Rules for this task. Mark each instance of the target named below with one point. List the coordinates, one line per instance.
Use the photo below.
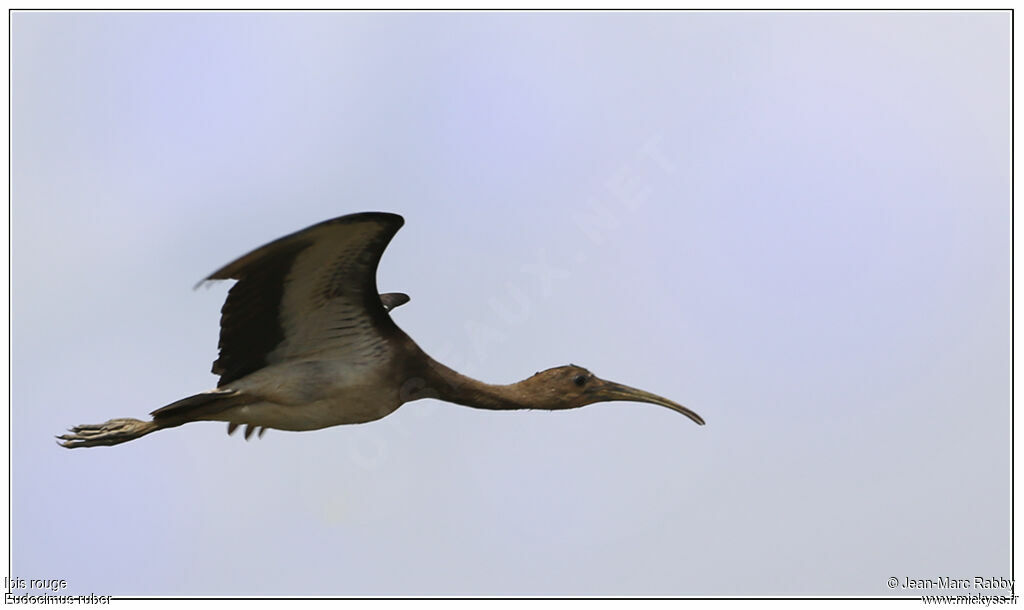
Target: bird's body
(307, 343)
(314, 394)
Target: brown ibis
(306, 342)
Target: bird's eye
(580, 380)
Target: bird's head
(568, 387)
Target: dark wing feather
(311, 292)
(391, 300)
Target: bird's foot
(110, 433)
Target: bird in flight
(306, 342)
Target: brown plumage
(307, 342)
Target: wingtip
(391, 300)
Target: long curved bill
(616, 391)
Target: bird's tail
(116, 431)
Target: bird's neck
(445, 384)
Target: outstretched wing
(311, 293)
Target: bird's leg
(112, 432)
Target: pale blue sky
(797, 224)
